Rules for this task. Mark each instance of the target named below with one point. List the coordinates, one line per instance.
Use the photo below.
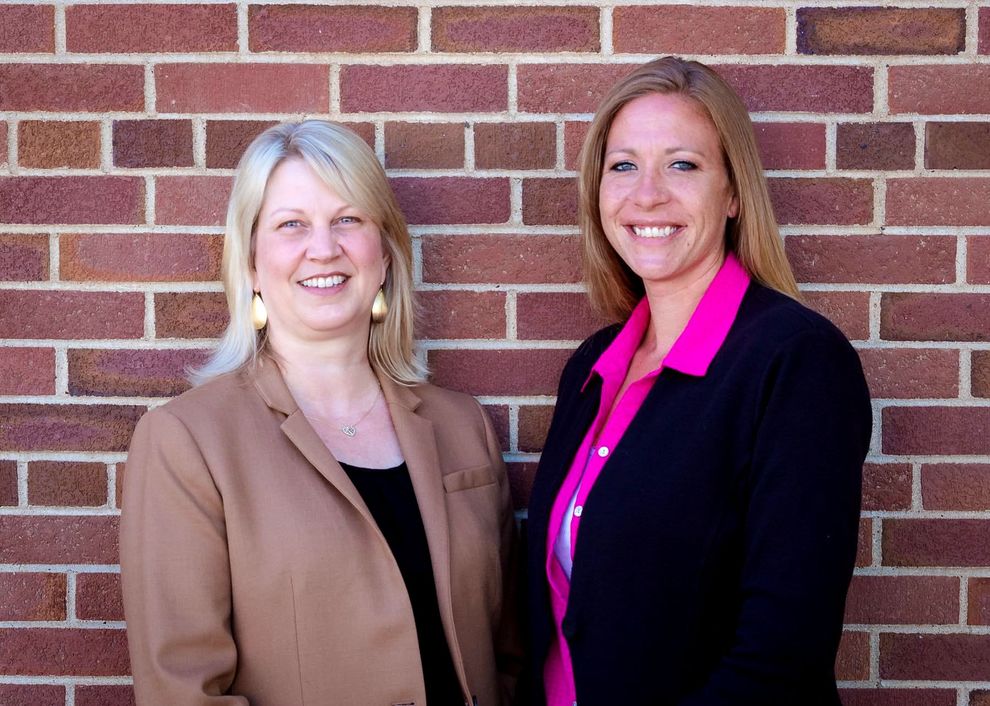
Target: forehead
(663, 117)
(293, 183)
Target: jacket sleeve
(175, 571)
(802, 513)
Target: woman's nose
(650, 190)
(323, 244)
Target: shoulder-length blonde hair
(348, 166)
(614, 289)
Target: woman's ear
(733, 207)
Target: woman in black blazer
(709, 448)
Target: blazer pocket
(467, 478)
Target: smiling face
(665, 194)
(318, 261)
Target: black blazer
(717, 545)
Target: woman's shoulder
(218, 398)
(437, 400)
(775, 319)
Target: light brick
(27, 371)
(63, 652)
(152, 143)
(32, 596)
(939, 89)
(192, 200)
(140, 257)
(550, 201)
(957, 146)
(686, 29)
(242, 88)
(903, 600)
(515, 29)
(71, 199)
(340, 28)
(461, 315)
(98, 597)
(904, 373)
(951, 657)
(881, 30)
(515, 145)
(499, 372)
(190, 314)
(446, 200)
(791, 145)
(936, 430)
(424, 145)
(955, 486)
(63, 427)
(23, 257)
(822, 200)
(88, 88)
(57, 539)
(874, 259)
(909, 316)
(50, 144)
(886, 486)
(151, 28)
(564, 316)
(880, 146)
(439, 88)
(28, 29)
(67, 483)
(509, 259)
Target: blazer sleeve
(800, 532)
(175, 571)
(508, 647)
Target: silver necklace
(350, 430)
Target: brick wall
(119, 128)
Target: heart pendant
(348, 430)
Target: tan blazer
(253, 573)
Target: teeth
(654, 231)
(323, 282)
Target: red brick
(936, 430)
(980, 373)
(140, 257)
(424, 145)
(27, 371)
(71, 199)
(49, 144)
(40, 427)
(908, 316)
(850, 311)
(32, 695)
(939, 90)
(444, 200)
(57, 539)
(979, 601)
(904, 373)
(23, 257)
(343, 28)
(192, 200)
(98, 597)
(28, 29)
(556, 316)
(984, 31)
(886, 486)
(63, 652)
(8, 483)
(565, 88)
(515, 145)
(687, 29)
(878, 146)
(461, 315)
(853, 659)
(438, 88)
(550, 201)
(105, 695)
(88, 88)
(978, 260)
(242, 88)
(499, 414)
(521, 482)
(515, 29)
(150, 29)
(67, 483)
(507, 259)
(574, 134)
(534, 422)
(917, 542)
(880, 259)
(822, 200)
(3, 144)
(955, 486)
(813, 89)
(32, 596)
(226, 140)
(864, 546)
(152, 143)
(935, 657)
(897, 697)
(122, 373)
(190, 314)
(499, 372)
(63, 314)
(938, 201)
(903, 600)
(881, 30)
(791, 145)
(957, 146)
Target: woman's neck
(671, 309)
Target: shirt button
(603, 451)
(578, 510)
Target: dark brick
(23, 257)
(957, 146)
(50, 144)
(44, 427)
(152, 143)
(883, 146)
(65, 314)
(67, 483)
(881, 30)
(190, 314)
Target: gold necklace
(350, 430)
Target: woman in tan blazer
(312, 524)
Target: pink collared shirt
(691, 354)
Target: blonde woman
(693, 522)
(313, 523)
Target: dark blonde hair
(752, 235)
(347, 165)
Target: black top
(718, 542)
(389, 495)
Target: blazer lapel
(419, 447)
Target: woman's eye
(289, 224)
(348, 220)
(624, 166)
(684, 165)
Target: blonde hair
(614, 289)
(347, 165)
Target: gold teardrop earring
(379, 308)
(259, 313)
